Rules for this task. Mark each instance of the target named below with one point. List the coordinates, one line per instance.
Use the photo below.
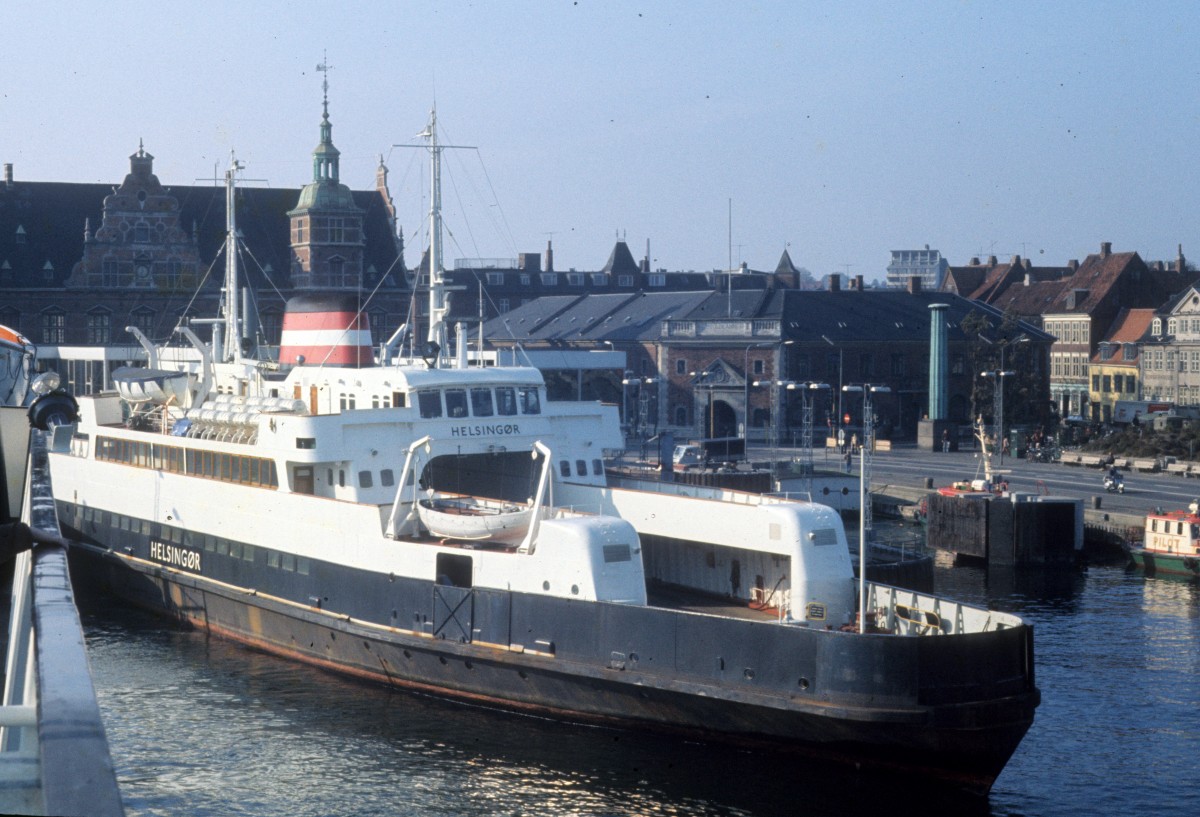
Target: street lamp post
(704, 383)
(864, 492)
(998, 394)
(806, 427)
(746, 390)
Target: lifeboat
(157, 386)
(473, 519)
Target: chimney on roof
(1180, 261)
(1073, 264)
(835, 282)
(975, 262)
(914, 284)
(1016, 261)
(858, 282)
(991, 260)
(1028, 279)
(529, 261)
(646, 260)
(8, 182)
(549, 257)
(1105, 249)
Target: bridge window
(430, 403)
(481, 402)
(529, 400)
(506, 401)
(456, 402)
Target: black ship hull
(944, 709)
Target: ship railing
(703, 492)
(54, 756)
(908, 612)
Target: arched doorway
(723, 420)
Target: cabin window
(824, 536)
(456, 402)
(430, 403)
(481, 402)
(386, 478)
(453, 570)
(248, 553)
(364, 479)
(597, 467)
(306, 442)
(580, 468)
(564, 468)
(398, 399)
(617, 553)
(341, 478)
(529, 400)
(506, 401)
(288, 562)
(272, 558)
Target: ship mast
(232, 349)
(437, 282)
(437, 292)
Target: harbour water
(200, 726)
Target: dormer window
(1156, 327)
(20, 238)
(1172, 326)
(1106, 351)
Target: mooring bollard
(928, 482)
(1096, 502)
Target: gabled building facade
(1087, 306)
(1114, 372)
(1170, 356)
(80, 262)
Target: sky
(719, 132)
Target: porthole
(574, 590)
(804, 683)
(545, 585)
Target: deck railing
(54, 756)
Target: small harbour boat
(1171, 545)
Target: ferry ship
(445, 528)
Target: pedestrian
(854, 442)
(945, 441)
(846, 460)
(1004, 448)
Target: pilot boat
(444, 528)
(1172, 543)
